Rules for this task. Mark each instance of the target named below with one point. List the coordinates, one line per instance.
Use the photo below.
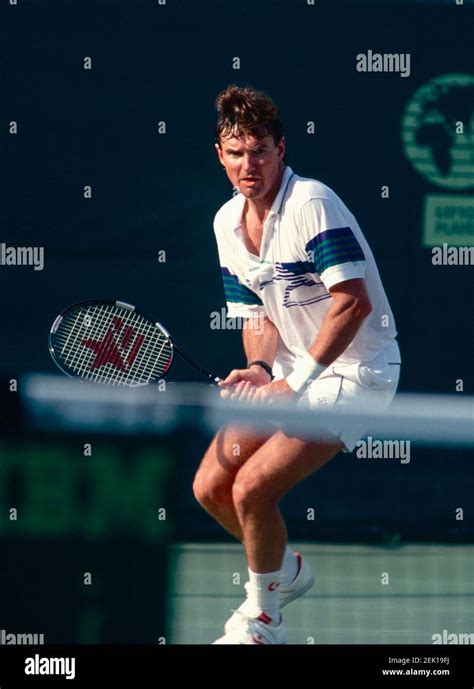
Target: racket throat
(205, 372)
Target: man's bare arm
(260, 340)
(341, 323)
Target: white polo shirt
(310, 242)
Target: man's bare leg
(229, 450)
(272, 470)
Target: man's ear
(282, 147)
(219, 153)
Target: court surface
(428, 589)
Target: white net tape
(55, 402)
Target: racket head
(110, 342)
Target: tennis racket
(111, 342)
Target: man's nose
(248, 162)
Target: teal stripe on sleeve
(237, 293)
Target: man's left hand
(278, 391)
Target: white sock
(264, 594)
(289, 568)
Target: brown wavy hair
(244, 110)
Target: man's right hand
(240, 382)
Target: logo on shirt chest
(302, 286)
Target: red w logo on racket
(113, 348)
(137, 349)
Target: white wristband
(305, 371)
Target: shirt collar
(277, 201)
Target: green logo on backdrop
(438, 140)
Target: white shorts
(375, 382)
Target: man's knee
(212, 491)
(249, 493)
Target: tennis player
(294, 256)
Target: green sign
(51, 489)
(438, 131)
(448, 219)
(438, 140)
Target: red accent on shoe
(256, 641)
(263, 617)
(300, 563)
(273, 586)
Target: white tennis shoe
(303, 581)
(256, 631)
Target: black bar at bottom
(151, 666)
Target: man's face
(252, 165)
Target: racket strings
(71, 350)
(84, 354)
(106, 331)
(75, 355)
(141, 372)
(148, 360)
(112, 345)
(154, 361)
(120, 375)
